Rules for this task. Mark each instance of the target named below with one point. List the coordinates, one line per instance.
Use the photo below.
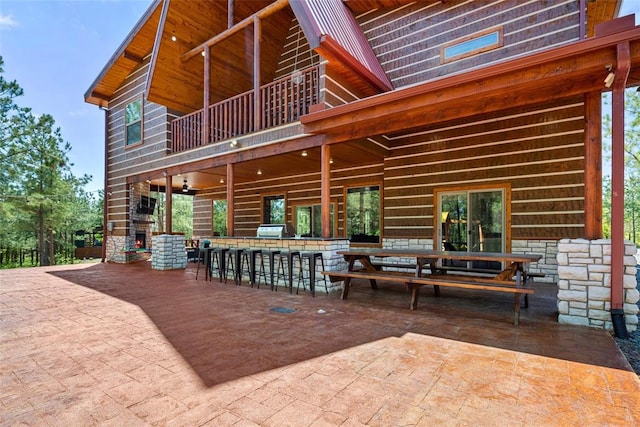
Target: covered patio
(109, 344)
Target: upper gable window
(471, 45)
(133, 122)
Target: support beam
(325, 190)
(617, 189)
(168, 222)
(230, 197)
(272, 8)
(207, 86)
(105, 197)
(593, 166)
(257, 35)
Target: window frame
(380, 213)
(334, 207)
(127, 144)
(270, 196)
(213, 214)
(476, 51)
(505, 187)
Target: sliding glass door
(473, 221)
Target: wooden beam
(593, 166)
(132, 57)
(230, 13)
(207, 85)
(168, 225)
(272, 8)
(623, 65)
(325, 190)
(230, 198)
(257, 35)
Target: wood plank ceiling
(179, 84)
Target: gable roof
(179, 84)
(332, 31)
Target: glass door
(473, 221)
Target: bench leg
(345, 288)
(436, 290)
(526, 300)
(516, 309)
(415, 291)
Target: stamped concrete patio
(122, 345)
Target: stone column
(584, 283)
(169, 252)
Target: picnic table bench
(413, 278)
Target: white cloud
(7, 21)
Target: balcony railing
(281, 102)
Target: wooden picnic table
(439, 275)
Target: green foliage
(42, 202)
(631, 168)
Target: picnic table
(513, 279)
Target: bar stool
(312, 258)
(217, 263)
(255, 255)
(271, 262)
(202, 258)
(288, 258)
(237, 259)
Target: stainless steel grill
(274, 231)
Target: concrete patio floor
(123, 345)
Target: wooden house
(463, 125)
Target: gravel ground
(631, 347)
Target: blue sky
(55, 49)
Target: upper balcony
(279, 103)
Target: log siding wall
(301, 189)
(125, 161)
(407, 40)
(538, 152)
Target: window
(219, 218)
(471, 45)
(133, 122)
(308, 220)
(363, 214)
(273, 211)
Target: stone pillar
(169, 252)
(584, 283)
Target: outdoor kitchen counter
(329, 247)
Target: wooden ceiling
(179, 84)
(344, 156)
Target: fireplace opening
(141, 239)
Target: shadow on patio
(225, 332)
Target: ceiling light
(202, 53)
(330, 160)
(174, 38)
(185, 187)
(233, 143)
(221, 180)
(304, 153)
(259, 172)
